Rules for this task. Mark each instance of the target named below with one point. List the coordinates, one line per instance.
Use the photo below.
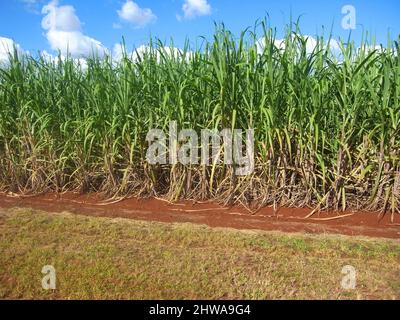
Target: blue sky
(106, 21)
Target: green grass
(326, 129)
(103, 258)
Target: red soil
(213, 215)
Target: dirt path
(286, 220)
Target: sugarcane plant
(326, 122)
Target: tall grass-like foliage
(327, 124)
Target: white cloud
(335, 48)
(64, 32)
(119, 51)
(32, 5)
(279, 44)
(6, 48)
(311, 43)
(369, 48)
(30, 2)
(116, 26)
(132, 13)
(195, 8)
(50, 58)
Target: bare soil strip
(213, 215)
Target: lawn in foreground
(104, 258)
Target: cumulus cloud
(116, 25)
(310, 45)
(260, 44)
(32, 6)
(335, 47)
(50, 58)
(119, 52)
(132, 13)
(195, 8)
(7, 47)
(64, 32)
(333, 44)
(370, 48)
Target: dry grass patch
(103, 258)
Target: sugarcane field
(199, 152)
